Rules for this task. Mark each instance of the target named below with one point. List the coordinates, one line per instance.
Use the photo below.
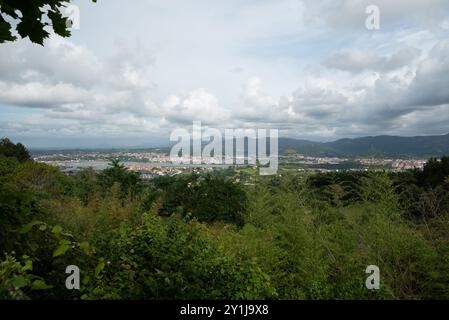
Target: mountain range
(377, 146)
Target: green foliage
(83, 186)
(33, 19)
(424, 194)
(209, 236)
(337, 188)
(174, 259)
(129, 181)
(16, 280)
(16, 205)
(17, 151)
(208, 198)
(434, 173)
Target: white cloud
(350, 14)
(319, 72)
(355, 60)
(388, 101)
(40, 95)
(197, 105)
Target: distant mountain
(379, 146)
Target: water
(101, 165)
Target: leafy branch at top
(31, 19)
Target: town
(157, 162)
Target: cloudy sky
(132, 73)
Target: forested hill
(378, 146)
(386, 146)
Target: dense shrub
(208, 198)
(198, 236)
(174, 259)
(17, 151)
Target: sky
(133, 73)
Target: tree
(435, 172)
(31, 18)
(208, 198)
(9, 149)
(129, 181)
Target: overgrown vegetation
(199, 236)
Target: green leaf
(99, 268)
(85, 246)
(27, 228)
(28, 266)
(32, 29)
(19, 282)
(5, 31)
(59, 23)
(61, 250)
(64, 241)
(40, 285)
(57, 229)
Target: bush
(172, 259)
(17, 151)
(207, 198)
(208, 236)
